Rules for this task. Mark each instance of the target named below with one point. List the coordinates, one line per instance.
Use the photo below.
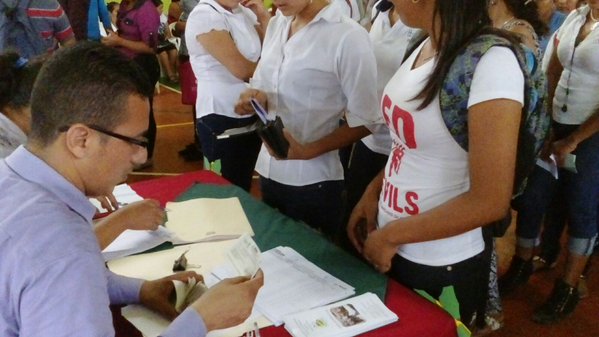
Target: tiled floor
(175, 130)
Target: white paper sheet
(292, 284)
(207, 219)
(124, 195)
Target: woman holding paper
(224, 42)
(316, 67)
(573, 78)
(420, 218)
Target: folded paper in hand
(187, 292)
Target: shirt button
(449, 268)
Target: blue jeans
(532, 204)
(577, 194)
(318, 205)
(237, 154)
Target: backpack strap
(455, 91)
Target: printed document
(291, 284)
(342, 319)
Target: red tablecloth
(417, 316)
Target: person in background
(166, 50)
(224, 42)
(192, 152)
(573, 74)
(552, 18)
(49, 28)
(174, 11)
(53, 274)
(113, 9)
(522, 19)
(317, 65)
(86, 16)
(137, 38)
(567, 6)
(17, 76)
(390, 40)
(420, 219)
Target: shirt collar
(333, 12)
(220, 8)
(35, 170)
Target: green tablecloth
(273, 229)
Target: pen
(256, 330)
(216, 276)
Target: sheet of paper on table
(195, 220)
(207, 219)
(291, 284)
(159, 264)
(124, 195)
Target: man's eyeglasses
(138, 142)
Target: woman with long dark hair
(573, 77)
(420, 219)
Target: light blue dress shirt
(53, 281)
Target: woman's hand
(257, 6)
(362, 221)
(562, 148)
(112, 40)
(379, 251)
(243, 105)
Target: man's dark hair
(88, 83)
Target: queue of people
(434, 100)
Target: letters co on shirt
(401, 124)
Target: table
(417, 316)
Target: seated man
(52, 274)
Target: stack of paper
(292, 284)
(192, 221)
(343, 319)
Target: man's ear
(78, 140)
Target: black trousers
(149, 63)
(469, 279)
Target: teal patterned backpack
(535, 121)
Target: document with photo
(350, 317)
